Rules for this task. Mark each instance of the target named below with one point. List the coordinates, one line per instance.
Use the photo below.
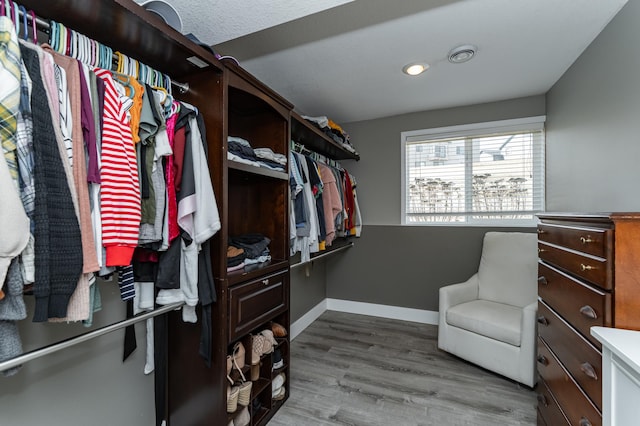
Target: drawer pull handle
(543, 280)
(541, 231)
(541, 250)
(543, 400)
(542, 320)
(586, 240)
(542, 360)
(588, 369)
(588, 312)
(585, 422)
(265, 281)
(584, 267)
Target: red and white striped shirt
(120, 189)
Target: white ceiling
(344, 58)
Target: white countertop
(623, 343)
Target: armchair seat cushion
(490, 319)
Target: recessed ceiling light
(415, 68)
(462, 53)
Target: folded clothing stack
(332, 130)
(240, 150)
(247, 249)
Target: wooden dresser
(588, 275)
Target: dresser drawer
(549, 413)
(593, 241)
(575, 404)
(255, 302)
(579, 304)
(596, 270)
(577, 355)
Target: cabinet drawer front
(578, 357)
(596, 242)
(548, 407)
(574, 403)
(596, 270)
(255, 302)
(580, 304)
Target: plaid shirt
(9, 92)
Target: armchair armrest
(456, 294)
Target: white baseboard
(362, 308)
(383, 311)
(308, 318)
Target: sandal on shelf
(242, 419)
(244, 389)
(255, 372)
(238, 355)
(232, 398)
(257, 345)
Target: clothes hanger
(164, 92)
(34, 26)
(24, 22)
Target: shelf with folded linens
(309, 135)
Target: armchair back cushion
(508, 268)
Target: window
(479, 174)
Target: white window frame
(467, 130)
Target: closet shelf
(312, 138)
(262, 171)
(337, 247)
(254, 271)
(134, 31)
(258, 386)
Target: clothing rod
(328, 253)
(44, 25)
(72, 341)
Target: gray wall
(593, 124)
(308, 286)
(87, 384)
(406, 266)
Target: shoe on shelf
(238, 355)
(278, 381)
(256, 405)
(257, 347)
(270, 341)
(255, 372)
(232, 398)
(277, 360)
(244, 393)
(243, 418)
(278, 330)
(279, 394)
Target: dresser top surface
(625, 344)
(589, 217)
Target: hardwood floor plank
(358, 370)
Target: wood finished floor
(351, 369)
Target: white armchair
(490, 320)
